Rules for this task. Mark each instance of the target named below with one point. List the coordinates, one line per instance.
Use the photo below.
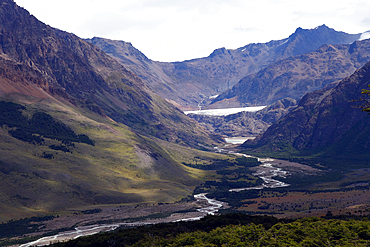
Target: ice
(365, 35)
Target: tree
(366, 102)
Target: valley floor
(316, 199)
(87, 222)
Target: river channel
(208, 207)
(265, 171)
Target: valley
(96, 137)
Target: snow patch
(365, 35)
(214, 96)
(286, 41)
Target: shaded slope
(325, 124)
(295, 76)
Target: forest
(41, 125)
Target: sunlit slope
(120, 168)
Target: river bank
(197, 210)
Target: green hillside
(55, 157)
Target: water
(225, 112)
(212, 208)
(238, 140)
(266, 172)
(214, 204)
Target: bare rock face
(325, 121)
(190, 83)
(295, 76)
(247, 124)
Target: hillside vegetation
(54, 157)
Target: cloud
(170, 30)
(366, 23)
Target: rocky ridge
(295, 76)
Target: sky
(177, 30)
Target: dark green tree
(366, 101)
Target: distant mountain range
(295, 76)
(190, 83)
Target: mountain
(191, 83)
(326, 124)
(295, 76)
(79, 129)
(149, 71)
(85, 76)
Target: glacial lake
(226, 111)
(238, 140)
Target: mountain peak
(307, 40)
(298, 30)
(322, 28)
(219, 51)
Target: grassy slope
(122, 167)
